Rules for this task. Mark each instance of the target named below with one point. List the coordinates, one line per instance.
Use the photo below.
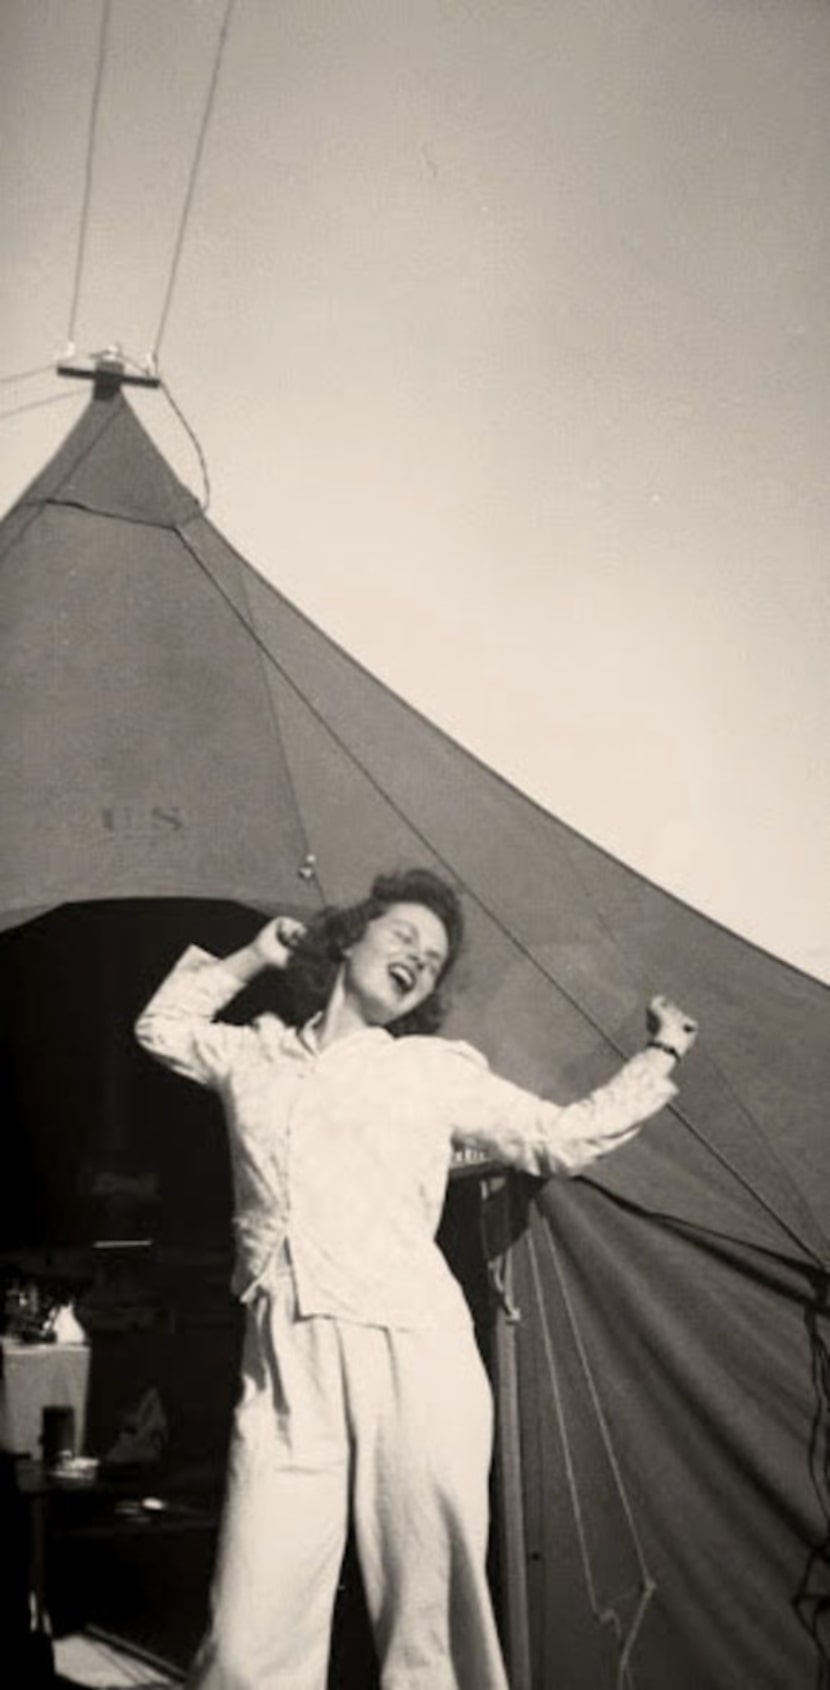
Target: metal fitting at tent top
(108, 370)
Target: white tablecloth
(38, 1376)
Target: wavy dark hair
(312, 969)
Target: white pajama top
(340, 1156)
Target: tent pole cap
(109, 372)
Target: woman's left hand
(670, 1025)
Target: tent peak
(108, 370)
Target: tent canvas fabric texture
(173, 727)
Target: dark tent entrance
(117, 1193)
(175, 730)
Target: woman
(362, 1389)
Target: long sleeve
(178, 1027)
(498, 1118)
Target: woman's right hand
(277, 939)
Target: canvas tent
(173, 728)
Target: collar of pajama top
(340, 1156)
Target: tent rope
(103, 42)
(68, 504)
(716, 1068)
(397, 809)
(315, 712)
(35, 405)
(26, 375)
(517, 943)
(791, 1231)
(310, 859)
(194, 171)
(196, 443)
(34, 507)
(92, 137)
(812, 1600)
(605, 1614)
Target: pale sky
(503, 325)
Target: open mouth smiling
(402, 976)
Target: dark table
(111, 1505)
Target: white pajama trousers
(394, 1425)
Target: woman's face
(396, 963)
